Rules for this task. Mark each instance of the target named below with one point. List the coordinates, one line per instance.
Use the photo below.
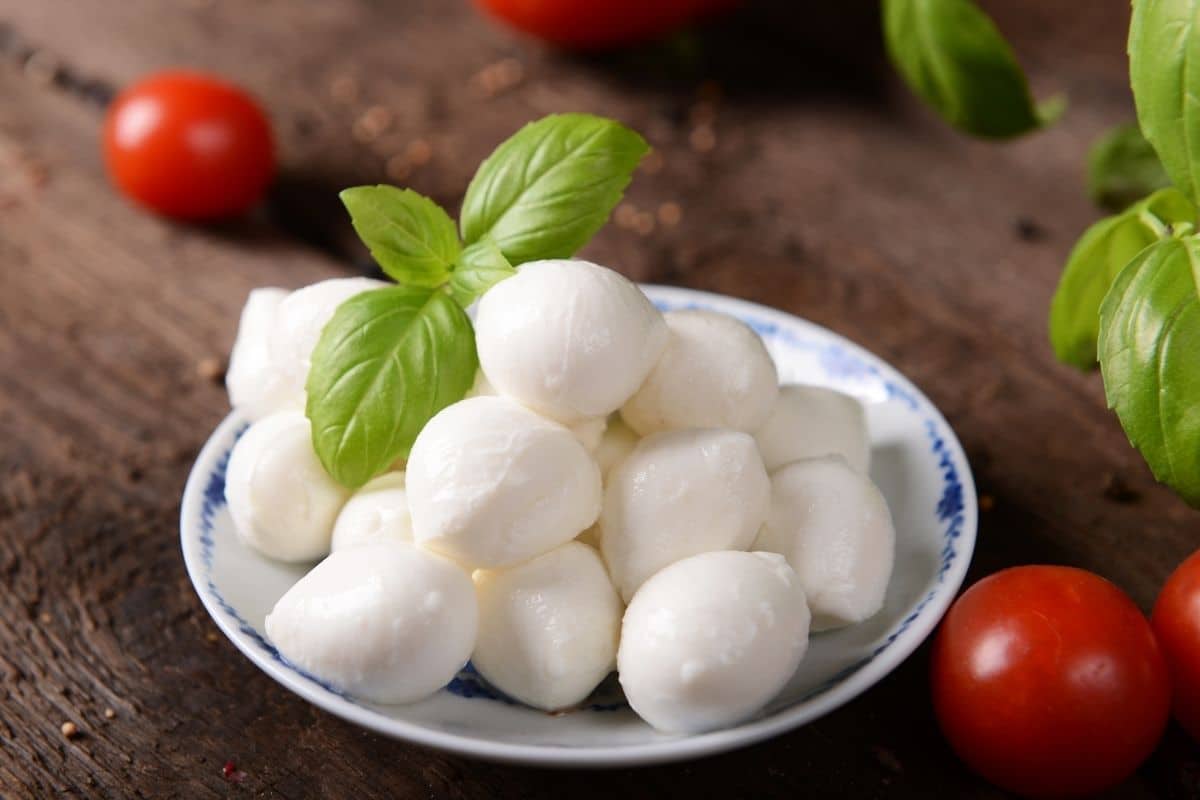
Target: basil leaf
(480, 267)
(1096, 260)
(387, 362)
(549, 188)
(409, 235)
(1149, 341)
(950, 53)
(1123, 168)
(1164, 70)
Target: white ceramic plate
(916, 461)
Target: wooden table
(804, 176)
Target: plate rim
(912, 631)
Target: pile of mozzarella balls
(620, 488)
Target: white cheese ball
(812, 421)
(677, 494)
(282, 500)
(377, 511)
(834, 527)
(617, 442)
(299, 320)
(256, 388)
(714, 373)
(385, 622)
(711, 639)
(570, 339)
(491, 483)
(548, 628)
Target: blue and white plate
(916, 461)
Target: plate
(916, 461)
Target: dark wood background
(805, 177)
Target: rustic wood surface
(806, 178)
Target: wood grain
(826, 191)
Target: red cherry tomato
(595, 24)
(1048, 682)
(1177, 624)
(189, 146)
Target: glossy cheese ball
(714, 373)
(709, 640)
(384, 622)
(834, 527)
(548, 627)
(282, 500)
(677, 494)
(255, 387)
(491, 483)
(567, 338)
(812, 421)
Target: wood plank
(852, 207)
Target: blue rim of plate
(844, 363)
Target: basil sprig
(391, 358)
(549, 188)
(1099, 256)
(1149, 342)
(1164, 71)
(951, 55)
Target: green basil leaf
(1123, 168)
(1164, 70)
(549, 188)
(1149, 342)
(388, 361)
(409, 235)
(480, 267)
(950, 53)
(1099, 256)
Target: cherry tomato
(595, 24)
(1048, 682)
(189, 146)
(1176, 622)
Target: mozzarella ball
(570, 339)
(834, 527)
(714, 373)
(385, 622)
(377, 511)
(491, 483)
(617, 442)
(677, 494)
(282, 500)
(548, 628)
(709, 640)
(256, 388)
(300, 319)
(812, 421)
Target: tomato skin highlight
(1176, 621)
(599, 24)
(189, 146)
(1048, 682)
